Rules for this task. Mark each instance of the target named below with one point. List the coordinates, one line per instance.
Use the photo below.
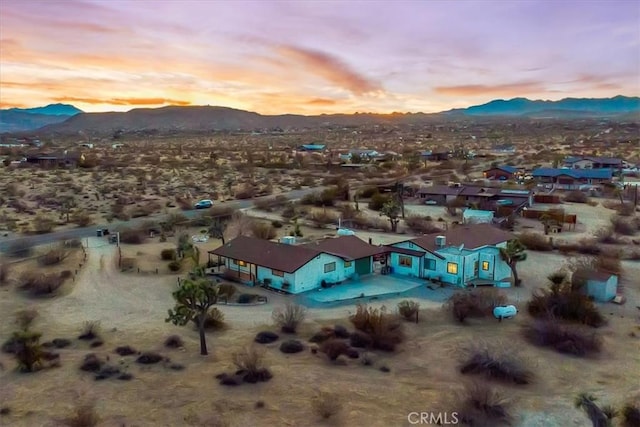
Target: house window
(329, 267)
(405, 261)
(485, 265)
(241, 263)
(347, 264)
(277, 273)
(429, 264)
(452, 268)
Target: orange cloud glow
(509, 89)
(122, 101)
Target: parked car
(203, 204)
(504, 312)
(430, 202)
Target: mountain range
(66, 119)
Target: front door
(363, 266)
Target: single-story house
(352, 248)
(572, 179)
(463, 255)
(592, 162)
(476, 216)
(601, 286)
(312, 147)
(435, 156)
(53, 160)
(502, 173)
(441, 194)
(504, 148)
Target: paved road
(79, 233)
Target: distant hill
(26, 119)
(564, 108)
(205, 118)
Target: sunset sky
(313, 57)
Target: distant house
(463, 255)
(600, 286)
(485, 198)
(312, 147)
(55, 160)
(440, 194)
(502, 173)
(475, 216)
(572, 179)
(592, 162)
(504, 148)
(435, 156)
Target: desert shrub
(326, 405)
(4, 273)
(384, 328)
(360, 340)
(42, 224)
(320, 217)
(84, 416)
(623, 226)
(409, 309)
(269, 203)
(173, 341)
(90, 331)
(334, 348)
(53, 256)
(60, 342)
(21, 248)
(378, 200)
(24, 318)
(576, 197)
(38, 284)
(266, 337)
(96, 343)
(323, 334)
(568, 339)
(291, 346)
(368, 192)
(630, 415)
(133, 237)
(289, 317)
(125, 350)
(419, 224)
(250, 362)
(505, 365)
(81, 219)
(289, 211)
(214, 319)
(263, 230)
(246, 298)
(174, 266)
(475, 303)
(565, 303)
(168, 254)
(149, 358)
(535, 242)
(341, 332)
(482, 405)
(27, 350)
(276, 224)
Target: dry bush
(42, 224)
(289, 317)
(214, 320)
(90, 330)
(421, 225)
(81, 219)
(630, 415)
(607, 262)
(263, 230)
(384, 329)
(535, 242)
(583, 246)
(250, 361)
(568, 339)
(605, 235)
(326, 405)
(25, 318)
(84, 416)
(409, 309)
(496, 364)
(475, 303)
(576, 197)
(132, 236)
(320, 217)
(270, 203)
(480, 405)
(53, 257)
(39, 283)
(565, 303)
(168, 254)
(186, 204)
(246, 191)
(333, 348)
(5, 270)
(620, 225)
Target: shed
(601, 286)
(475, 216)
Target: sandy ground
(131, 309)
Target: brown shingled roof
(351, 247)
(277, 256)
(472, 235)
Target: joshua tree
(512, 254)
(193, 299)
(599, 417)
(391, 209)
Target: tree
(28, 350)
(66, 207)
(512, 254)
(193, 299)
(391, 209)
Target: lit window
(405, 261)
(429, 264)
(329, 267)
(347, 264)
(242, 263)
(452, 268)
(485, 265)
(277, 273)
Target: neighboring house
(475, 216)
(602, 287)
(502, 173)
(463, 255)
(572, 179)
(312, 147)
(441, 194)
(592, 162)
(484, 198)
(437, 156)
(504, 148)
(68, 160)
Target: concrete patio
(367, 287)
